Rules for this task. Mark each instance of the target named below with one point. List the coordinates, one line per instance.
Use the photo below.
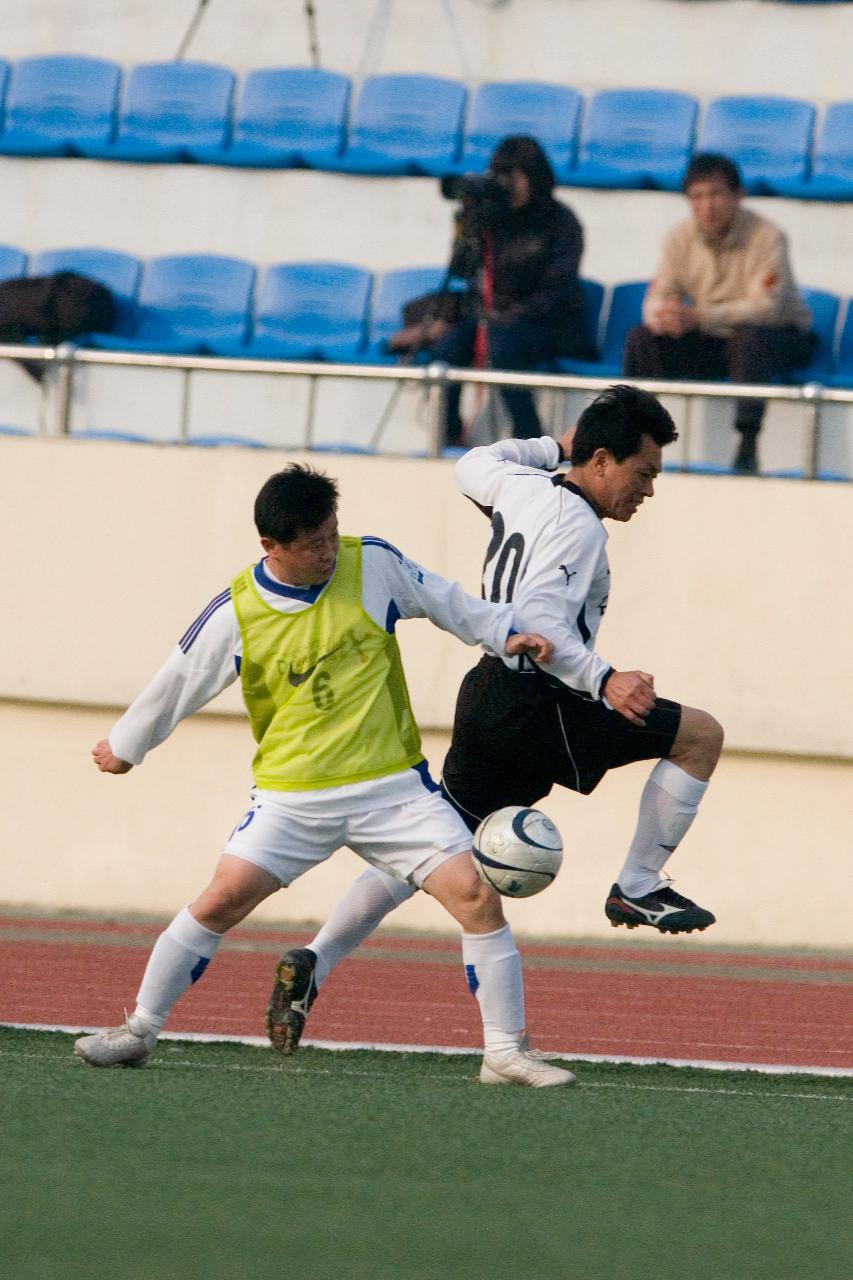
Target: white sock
(493, 969)
(364, 905)
(179, 958)
(668, 805)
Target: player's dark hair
(711, 164)
(294, 500)
(617, 420)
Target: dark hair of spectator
(293, 501)
(711, 164)
(519, 151)
(617, 420)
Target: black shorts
(518, 734)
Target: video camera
(482, 188)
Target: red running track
(668, 1001)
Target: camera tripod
(195, 23)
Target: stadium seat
(842, 373)
(120, 272)
(593, 301)
(394, 290)
(831, 177)
(769, 138)
(288, 117)
(104, 433)
(187, 305)
(824, 308)
(13, 262)
(56, 103)
(171, 111)
(405, 125)
(635, 138)
(308, 311)
(547, 112)
(218, 442)
(624, 311)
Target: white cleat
(130, 1045)
(520, 1066)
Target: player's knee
(712, 735)
(220, 907)
(474, 904)
(699, 742)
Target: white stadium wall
(732, 591)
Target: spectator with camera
(518, 250)
(723, 303)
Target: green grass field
(221, 1161)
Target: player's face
(714, 206)
(308, 559)
(627, 484)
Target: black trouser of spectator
(754, 353)
(512, 346)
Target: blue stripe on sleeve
(190, 636)
(370, 541)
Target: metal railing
(62, 361)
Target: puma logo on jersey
(569, 575)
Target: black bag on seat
(53, 308)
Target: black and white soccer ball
(517, 851)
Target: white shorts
(401, 824)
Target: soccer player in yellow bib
(309, 631)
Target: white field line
(199, 1037)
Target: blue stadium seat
(308, 311)
(405, 125)
(770, 138)
(171, 111)
(824, 308)
(120, 272)
(13, 262)
(395, 289)
(635, 138)
(831, 177)
(188, 305)
(106, 433)
(287, 117)
(56, 103)
(593, 301)
(624, 311)
(842, 372)
(547, 112)
(218, 442)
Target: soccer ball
(517, 851)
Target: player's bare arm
(106, 761)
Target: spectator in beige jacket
(724, 303)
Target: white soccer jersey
(547, 554)
(207, 657)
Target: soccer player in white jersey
(310, 632)
(520, 727)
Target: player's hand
(565, 441)
(528, 642)
(106, 761)
(632, 694)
